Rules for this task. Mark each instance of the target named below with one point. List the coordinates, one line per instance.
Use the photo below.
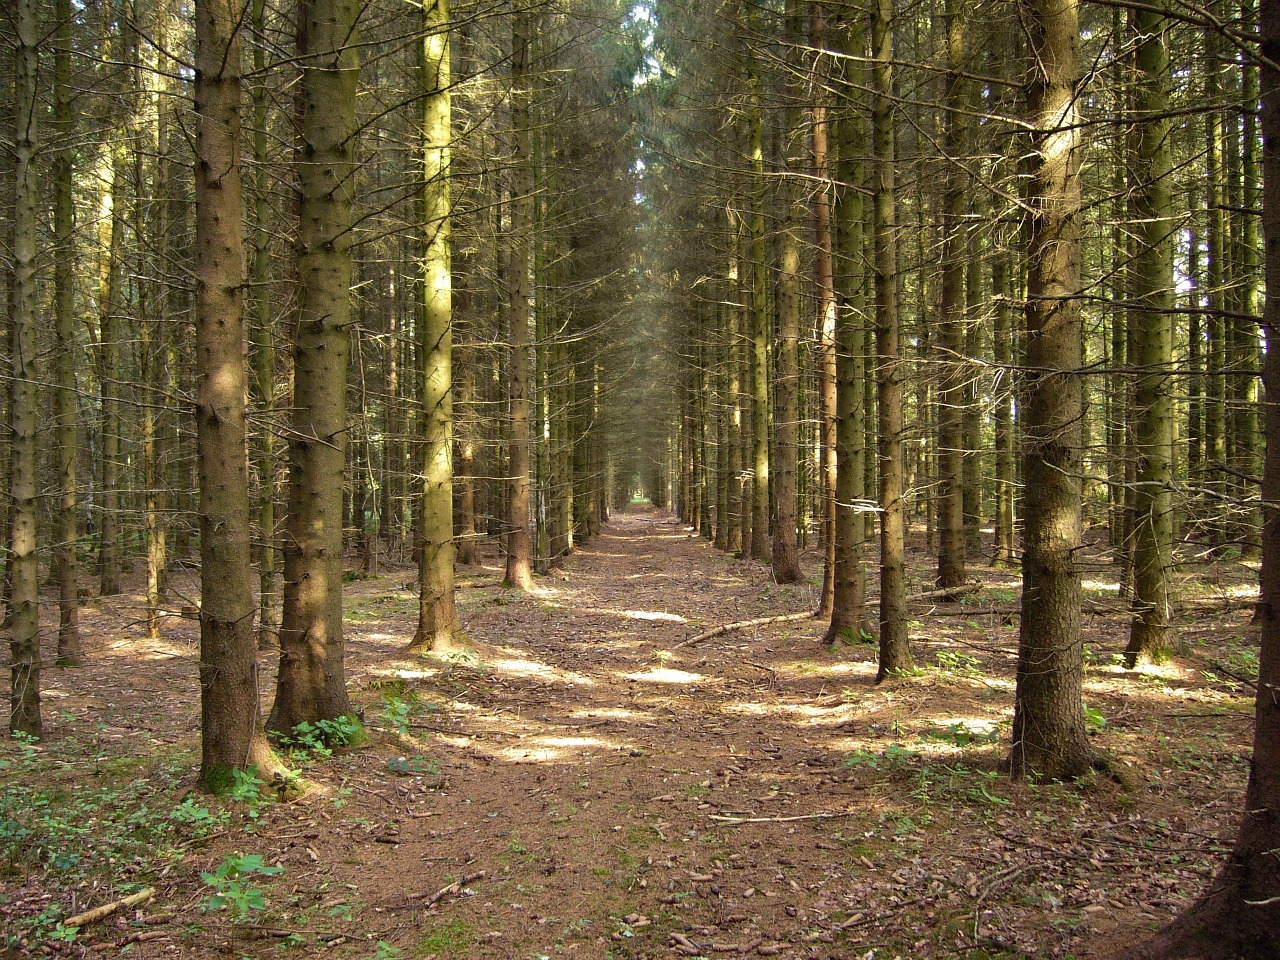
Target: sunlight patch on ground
(845, 668)
(666, 675)
(406, 673)
(531, 668)
(800, 714)
(645, 615)
(606, 713)
(1101, 586)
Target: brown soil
(593, 786)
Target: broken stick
(107, 909)
(743, 625)
(448, 891)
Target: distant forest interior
(635, 479)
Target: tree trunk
(438, 626)
(849, 590)
(951, 332)
(895, 652)
(1152, 288)
(230, 732)
(311, 684)
(1239, 917)
(24, 410)
(1048, 724)
(519, 567)
(66, 536)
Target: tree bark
(230, 731)
(1151, 327)
(1048, 724)
(311, 684)
(438, 626)
(519, 566)
(895, 651)
(24, 410)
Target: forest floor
(593, 785)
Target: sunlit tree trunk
(758, 313)
(438, 626)
(311, 684)
(1048, 724)
(519, 567)
(230, 733)
(1151, 327)
(895, 652)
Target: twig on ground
(448, 891)
(743, 625)
(107, 909)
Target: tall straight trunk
(465, 476)
(1239, 916)
(519, 567)
(1003, 355)
(1249, 460)
(109, 230)
(849, 589)
(784, 560)
(65, 415)
(231, 735)
(895, 651)
(951, 329)
(24, 409)
(758, 356)
(264, 366)
(1048, 723)
(438, 626)
(827, 317)
(311, 684)
(1215, 444)
(1151, 325)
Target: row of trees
(795, 267)
(405, 221)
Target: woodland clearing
(594, 785)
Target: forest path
(589, 785)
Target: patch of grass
(449, 938)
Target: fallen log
(743, 625)
(107, 909)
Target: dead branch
(107, 909)
(448, 891)
(743, 625)
(946, 593)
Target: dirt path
(591, 786)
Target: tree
(1239, 916)
(1151, 330)
(231, 735)
(438, 626)
(66, 562)
(1048, 722)
(311, 684)
(24, 409)
(519, 568)
(895, 651)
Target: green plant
(199, 819)
(230, 892)
(411, 766)
(1093, 717)
(961, 734)
(399, 710)
(320, 738)
(894, 756)
(385, 951)
(960, 664)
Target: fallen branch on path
(734, 821)
(743, 625)
(107, 909)
(448, 891)
(946, 593)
